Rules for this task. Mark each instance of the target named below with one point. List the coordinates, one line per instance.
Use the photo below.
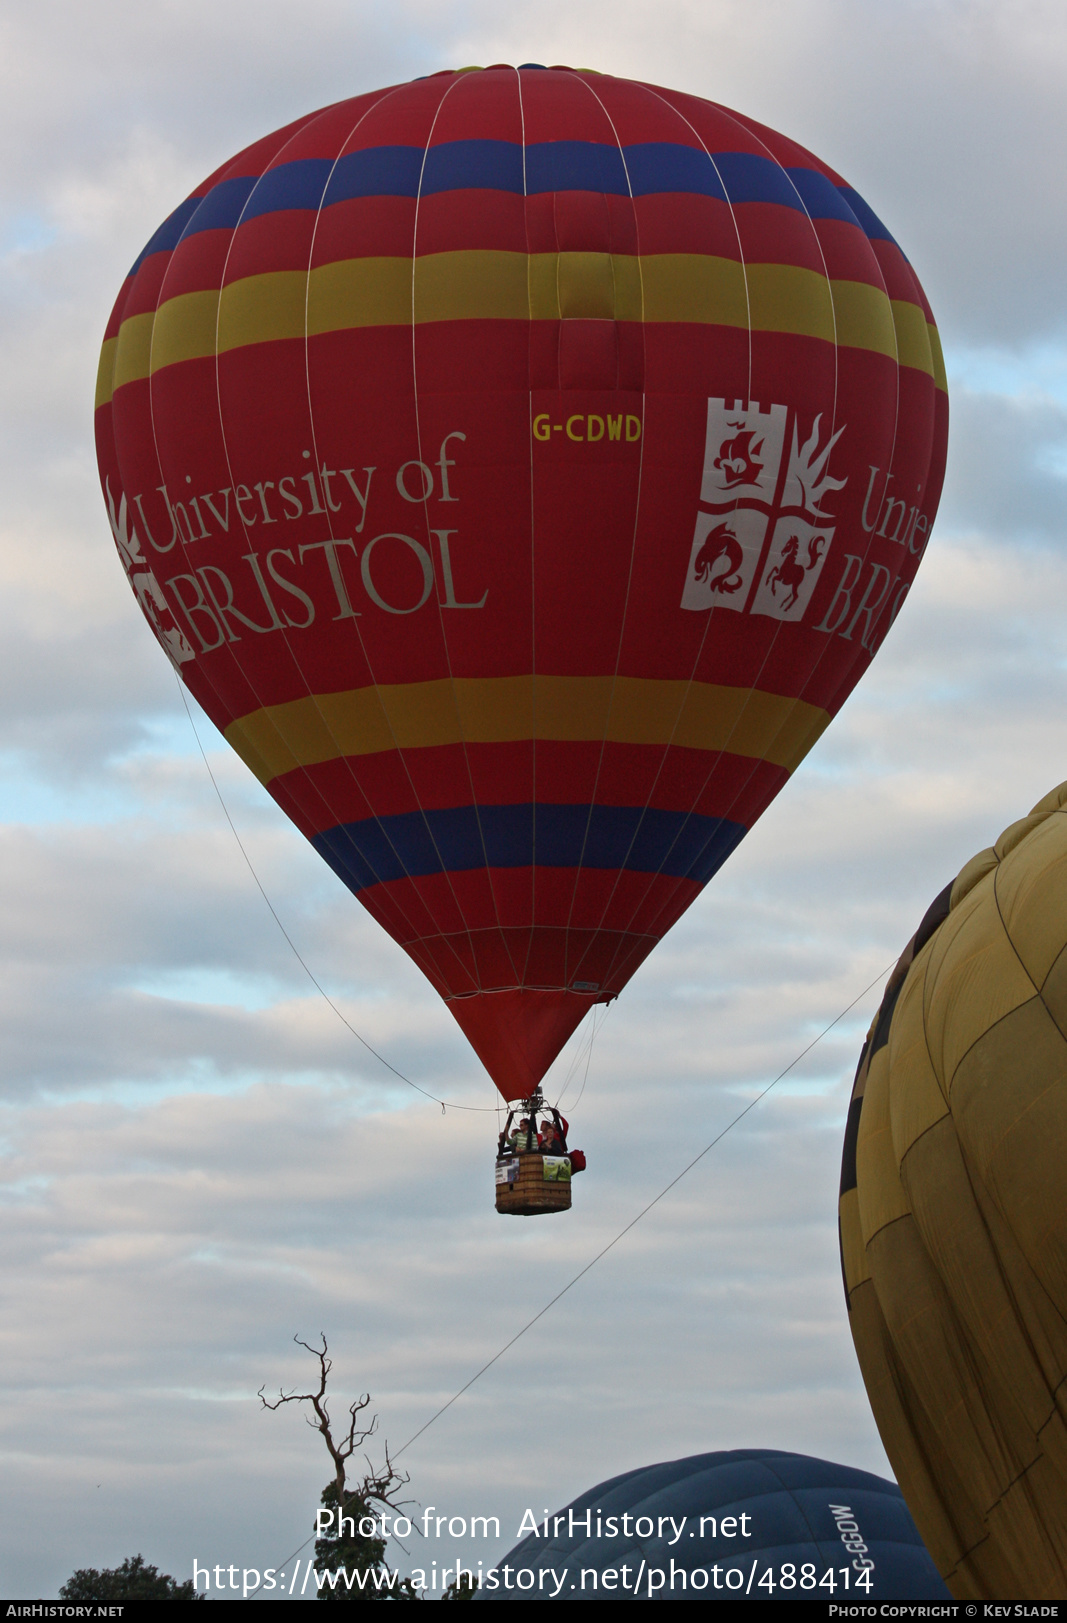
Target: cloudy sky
(198, 1159)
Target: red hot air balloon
(521, 466)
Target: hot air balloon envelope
(754, 1522)
(521, 467)
(954, 1222)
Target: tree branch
(377, 1486)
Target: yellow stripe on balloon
(185, 328)
(378, 289)
(701, 288)
(865, 320)
(940, 375)
(514, 709)
(133, 349)
(913, 336)
(257, 308)
(469, 284)
(791, 299)
(489, 284)
(105, 372)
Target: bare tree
(345, 1549)
(378, 1486)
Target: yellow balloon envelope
(954, 1217)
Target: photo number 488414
(789, 1576)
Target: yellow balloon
(953, 1217)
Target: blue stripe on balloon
(660, 166)
(749, 178)
(411, 844)
(575, 166)
(821, 198)
(867, 218)
(376, 172)
(170, 233)
(224, 205)
(642, 170)
(468, 165)
(296, 185)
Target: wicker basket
(532, 1193)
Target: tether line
(644, 1211)
(624, 1231)
(316, 983)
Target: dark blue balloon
(753, 1517)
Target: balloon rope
(480, 1109)
(645, 1210)
(585, 1049)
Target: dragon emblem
(721, 543)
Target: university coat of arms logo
(752, 490)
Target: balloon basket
(531, 1185)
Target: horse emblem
(789, 572)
